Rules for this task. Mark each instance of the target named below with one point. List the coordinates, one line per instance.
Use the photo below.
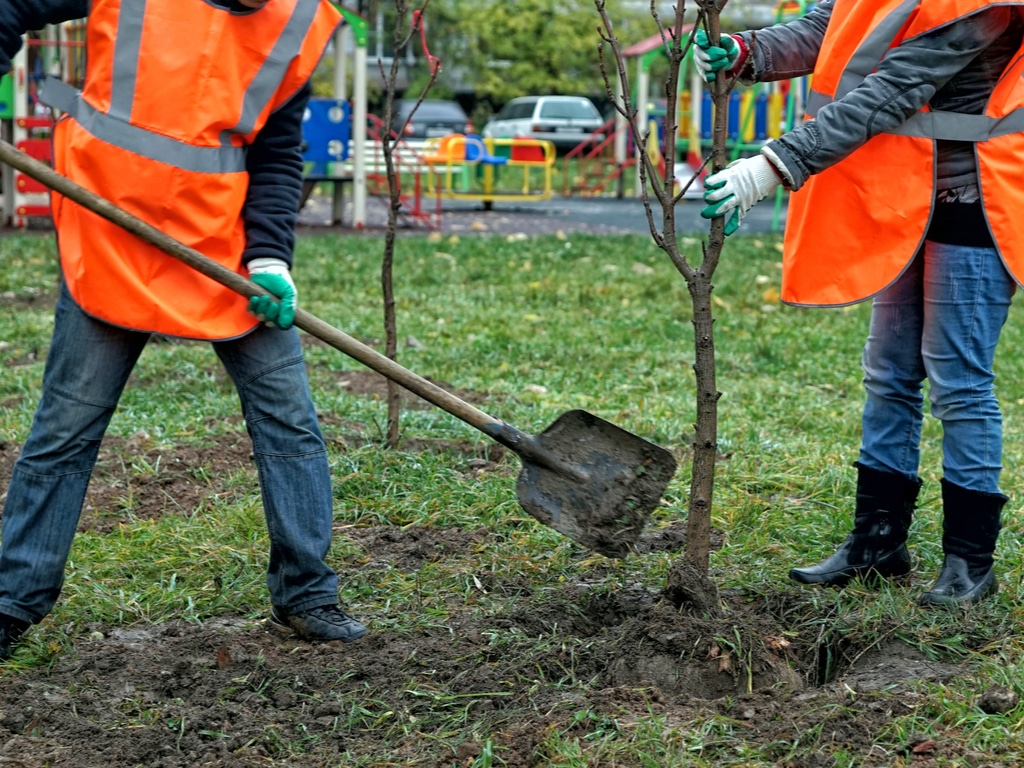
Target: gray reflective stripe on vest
(263, 87)
(163, 149)
(951, 126)
(956, 126)
(126, 58)
(873, 48)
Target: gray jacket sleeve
(905, 81)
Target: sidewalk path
(575, 214)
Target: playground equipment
(473, 168)
(327, 137)
(334, 129)
(56, 50)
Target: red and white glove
(728, 54)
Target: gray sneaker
(322, 624)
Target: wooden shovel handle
(443, 399)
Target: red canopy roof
(652, 42)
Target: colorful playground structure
(57, 50)
(471, 168)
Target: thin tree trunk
(393, 431)
(393, 428)
(403, 35)
(688, 581)
(705, 444)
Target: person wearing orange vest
(906, 190)
(190, 118)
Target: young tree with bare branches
(408, 25)
(689, 581)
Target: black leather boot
(877, 545)
(970, 527)
(11, 629)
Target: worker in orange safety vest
(906, 190)
(190, 118)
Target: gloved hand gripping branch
(737, 187)
(709, 58)
(274, 276)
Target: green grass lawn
(540, 326)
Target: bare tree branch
(677, 39)
(404, 34)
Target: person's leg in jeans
(269, 373)
(894, 373)
(941, 321)
(887, 483)
(86, 369)
(967, 299)
(967, 294)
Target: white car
(565, 121)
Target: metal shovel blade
(619, 480)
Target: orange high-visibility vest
(175, 92)
(852, 229)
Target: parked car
(433, 118)
(566, 121)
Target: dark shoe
(970, 528)
(877, 546)
(322, 624)
(959, 584)
(858, 557)
(10, 630)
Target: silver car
(566, 121)
(432, 118)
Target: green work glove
(274, 276)
(709, 58)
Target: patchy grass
(534, 327)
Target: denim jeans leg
(269, 373)
(86, 369)
(967, 293)
(894, 373)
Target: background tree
(408, 24)
(500, 50)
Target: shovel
(583, 476)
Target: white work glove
(273, 275)
(709, 58)
(736, 188)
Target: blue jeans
(940, 320)
(87, 367)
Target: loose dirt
(585, 660)
(582, 659)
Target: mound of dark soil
(580, 660)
